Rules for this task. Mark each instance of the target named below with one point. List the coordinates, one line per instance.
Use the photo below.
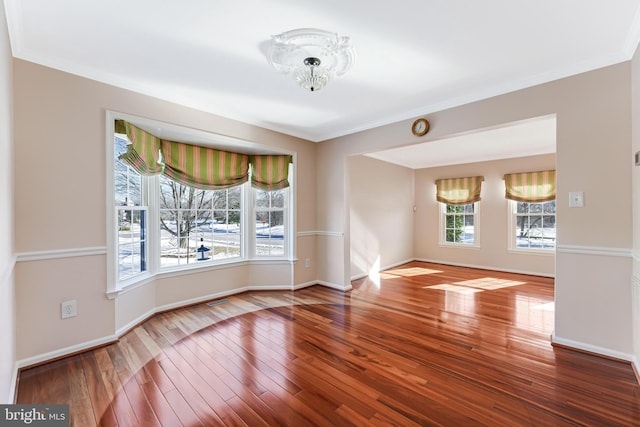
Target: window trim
(511, 233)
(442, 241)
(150, 191)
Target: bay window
(180, 206)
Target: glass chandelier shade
(312, 56)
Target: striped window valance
(270, 172)
(204, 167)
(198, 166)
(143, 154)
(532, 187)
(459, 191)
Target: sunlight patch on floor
(407, 272)
(464, 290)
(476, 285)
(374, 272)
(550, 306)
(534, 314)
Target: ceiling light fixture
(313, 56)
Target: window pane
(535, 225)
(262, 199)
(219, 199)
(454, 208)
(459, 223)
(174, 235)
(234, 195)
(549, 207)
(277, 199)
(269, 222)
(450, 221)
(132, 244)
(535, 208)
(522, 207)
(198, 225)
(522, 225)
(127, 182)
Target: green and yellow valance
(270, 172)
(459, 191)
(198, 166)
(143, 154)
(531, 187)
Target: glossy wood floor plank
(426, 345)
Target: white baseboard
(52, 355)
(627, 357)
(305, 285)
(484, 267)
(203, 298)
(126, 328)
(334, 285)
(359, 276)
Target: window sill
(540, 252)
(187, 270)
(458, 246)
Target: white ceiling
(413, 57)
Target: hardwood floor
(428, 345)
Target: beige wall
(593, 154)
(381, 200)
(7, 259)
(60, 183)
(493, 218)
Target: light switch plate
(576, 199)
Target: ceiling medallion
(312, 56)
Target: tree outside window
(193, 221)
(459, 224)
(535, 225)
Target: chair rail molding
(595, 250)
(61, 253)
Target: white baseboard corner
(64, 352)
(304, 285)
(593, 349)
(13, 386)
(335, 286)
(635, 364)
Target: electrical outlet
(68, 309)
(307, 263)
